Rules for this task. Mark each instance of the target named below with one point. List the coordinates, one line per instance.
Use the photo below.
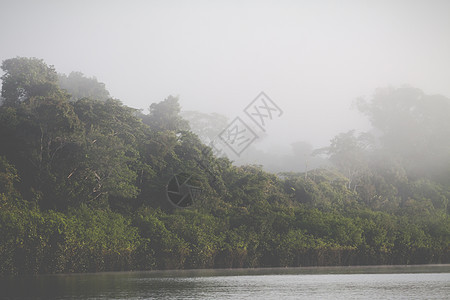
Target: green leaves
(25, 78)
(8, 181)
(165, 116)
(82, 187)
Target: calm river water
(384, 282)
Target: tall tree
(38, 125)
(414, 127)
(80, 86)
(165, 115)
(348, 153)
(27, 77)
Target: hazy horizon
(312, 58)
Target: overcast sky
(313, 58)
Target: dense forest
(83, 186)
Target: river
(381, 282)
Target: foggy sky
(313, 58)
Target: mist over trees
(79, 86)
(83, 178)
(300, 158)
(413, 128)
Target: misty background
(312, 58)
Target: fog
(312, 58)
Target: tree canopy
(80, 86)
(83, 181)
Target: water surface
(385, 282)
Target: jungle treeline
(83, 180)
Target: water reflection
(330, 282)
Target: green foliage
(8, 181)
(25, 78)
(165, 116)
(50, 242)
(169, 250)
(82, 189)
(98, 240)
